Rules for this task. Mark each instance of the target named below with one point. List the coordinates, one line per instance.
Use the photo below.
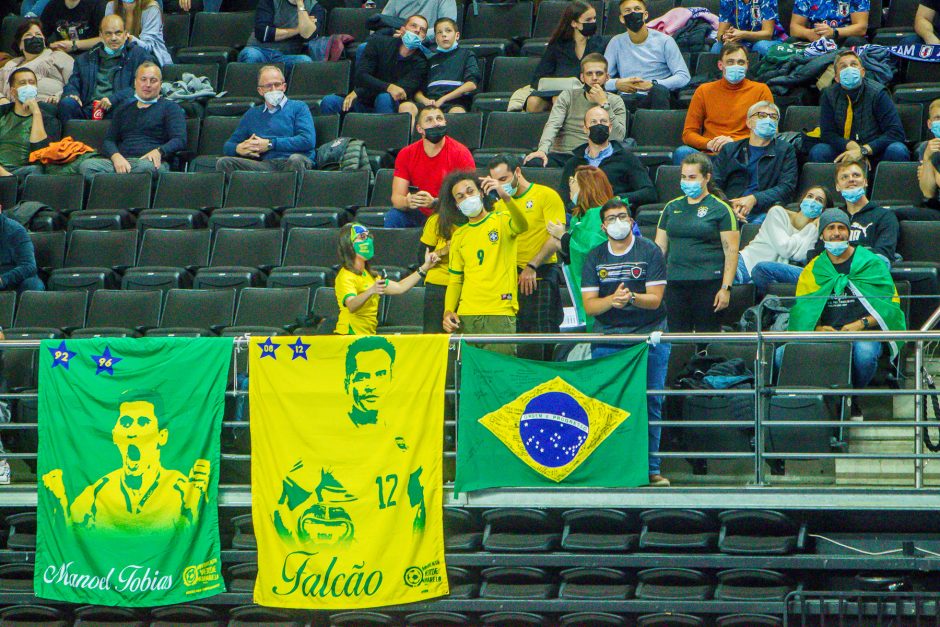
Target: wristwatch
(866, 150)
(726, 287)
(632, 298)
(865, 323)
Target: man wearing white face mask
(759, 171)
(22, 128)
(277, 135)
(145, 133)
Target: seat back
(326, 127)
(897, 181)
(667, 182)
(467, 128)
(246, 247)
(102, 249)
(817, 174)
(320, 78)
(396, 247)
(62, 193)
(271, 307)
(241, 79)
(215, 132)
(382, 188)
(918, 241)
(340, 188)
(350, 21)
(504, 20)
(800, 118)
(508, 73)
(174, 248)
(120, 191)
(658, 128)
(312, 247)
(91, 132)
(506, 129)
(49, 249)
(261, 189)
(189, 190)
(379, 131)
(227, 30)
(202, 309)
(124, 308)
(51, 309)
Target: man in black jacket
(391, 71)
(759, 171)
(626, 174)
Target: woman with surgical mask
(143, 21)
(482, 295)
(359, 287)
(52, 68)
(698, 234)
(785, 237)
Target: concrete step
(884, 472)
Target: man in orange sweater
(718, 111)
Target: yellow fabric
(847, 131)
(346, 476)
(485, 254)
(364, 320)
(807, 284)
(539, 204)
(438, 275)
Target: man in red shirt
(420, 167)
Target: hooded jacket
(85, 72)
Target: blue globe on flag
(553, 428)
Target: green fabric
(129, 432)
(586, 235)
(14, 139)
(532, 424)
(104, 79)
(71, 167)
(869, 279)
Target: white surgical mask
(471, 206)
(274, 97)
(618, 230)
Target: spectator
(145, 134)
(481, 296)
(358, 286)
(72, 25)
(928, 173)
(847, 289)
(628, 177)
(646, 65)
(453, 73)
(753, 24)
(699, 236)
(760, 171)
(843, 21)
(784, 237)
(143, 21)
(277, 135)
(18, 269)
(857, 118)
(436, 237)
(115, 60)
(430, 10)
(389, 75)
(564, 129)
(421, 167)
(622, 287)
(718, 111)
(51, 67)
(536, 260)
(926, 23)
(22, 125)
(283, 32)
(575, 37)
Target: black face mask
(34, 45)
(588, 29)
(634, 22)
(598, 133)
(435, 134)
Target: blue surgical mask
(836, 248)
(451, 49)
(147, 102)
(692, 189)
(574, 198)
(766, 128)
(811, 208)
(509, 189)
(734, 74)
(850, 77)
(410, 40)
(112, 53)
(935, 128)
(853, 195)
(26, 92)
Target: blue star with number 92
(61, 356)
(268, 349)
(105, 362)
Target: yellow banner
(346, 436)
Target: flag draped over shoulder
(529, 424)
(868, 279)
(347, 447)
(129, 432)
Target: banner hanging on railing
(346, 437)
(128, 468)
(530, 424)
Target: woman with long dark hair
(143, 21)
(435, 237)
(359, 287)
(576, 35)
(51, 67)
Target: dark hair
(730, 48)
(594, 189)
(143, 396)
(364, 345)
(594, 57)
(442, 20)
(347, 255)
(425, 108)
(706, 168)
(512, 162)
(408, 19)
(21, 30)
(825, 191)
(18, 70)
(616, 203)
(643, 2)
(448, 215)
(572, 13)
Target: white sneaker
(4, 472)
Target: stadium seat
(47, 313)
(593, 583)
(309, 259)
(244, 538)
(8, 28)
(350, 21)
(121, 313)
(517, 583)
(436, 618)
(896, 184)
(404, 313)
(97, 615)
(379, 131)
(214, 133)
(9, 190)
(91, 132)
(174, 72)
(550, 177)
(397, 248)
(274, 190)
(760, 532)
(506, 75)
(7, 307)
(513, 131)
(216, 37)
(49, 249)
(657, 134)
(362, 619)
(325, 307)
(319, 79)
(241, 577)
(269, 311)
(673, 584)
(670, 619)
(917, 72)
(382, 188)
(462, 530)
(921, 92)
(817, 174)
(62, 193)
(912, 117)
(677, 529)
(519, 529)
(176, 27)
(256, 616)
(341, 188)
(99, 220)
(666, 182)
(800, 118)
(181, 200)
(918, 241)
(195, 313)
(752, 584)
(168, 258)
(33, 615)
(94, 259)
(240, 257)
(327, 128)
(467, 128)
(748, 620)
(21, 534)
(748, 232)
(597, 529)
(592, 619)
(314, 218)
(240, 85)
(129, 191)
(175, 615)
(463, 584)
(503, 20)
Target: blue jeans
(69, 109)
(657, 362)
(760, 47)
(767, 272)
(29, 284)
(681, 153)
(384, 103)
(824, 153)
(756, 218)
(742, 276)
(33, 8)
(398, 219)
(255, 54)
(865, 356)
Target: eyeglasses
(272, 85)
(620, 217)
(763, 115)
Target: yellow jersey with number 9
(484, 253)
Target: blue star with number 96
(105, 362)
(61, 356)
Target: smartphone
(413, 189)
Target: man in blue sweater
(17, 259)
(277, 135)
(145, 133)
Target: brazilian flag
(525, 423)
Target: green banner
(129, 432)
(525, 423)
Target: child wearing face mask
(453, 72)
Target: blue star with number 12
(61, 356)
(268, 349)
(105, 362)
(300, 349)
